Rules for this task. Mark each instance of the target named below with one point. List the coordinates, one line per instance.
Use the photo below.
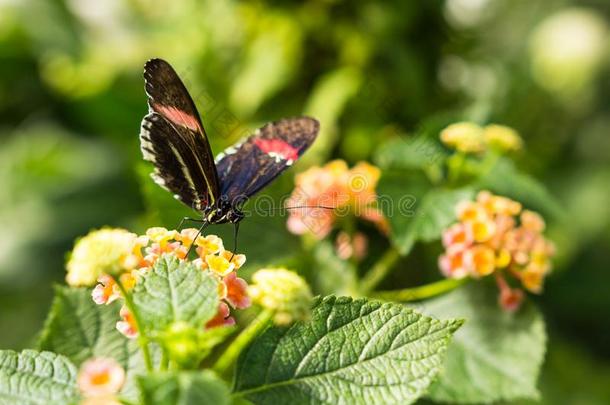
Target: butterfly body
(224, 211)
(173, 138)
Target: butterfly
(173, 139)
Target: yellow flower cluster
(282, 291)
(348, 191)
(110, 254)
(103, 251)
(495, 235)
(468, 137)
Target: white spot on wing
(230, 150)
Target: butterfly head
(223, 212)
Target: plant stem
(164, 364)
(455, 165)
(243, 339)
(489, 162)
(142, 339)
(350, 229)
(421, 292)
(379, 270)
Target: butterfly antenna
(235, 232)
(205, 225)
(185, 219)
(296, 207)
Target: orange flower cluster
(495, 235)
(347, 191)
(211, 254)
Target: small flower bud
(283, 292)
(502, 138)
(181, 342)
(465, 137)
(510, 299)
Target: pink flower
(127, 326)
(100, 377)
(532, 221)
(510, 299)
(106, 291)
(237, 291)
(347, 191)
(347, 247)
(452, 264)
(458, 236)
(317, 221)
(221, 318)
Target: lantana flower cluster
(495, 235)
(468, 137)
(349, 192)
(128, 256)
(283, 292)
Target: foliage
(185, 388)
(32, 377)
(175, 292)
(398, 339)
(357, 351)
(500, 352)
(79, 329)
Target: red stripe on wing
(178, 117)
(277, 147)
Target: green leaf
(352, 351)
(32, 377)
(175, 291)
(79, 329)
(184, 388)
(496, 355)
(505, 179)
(331, 275)
(417, 212)
(435, 213)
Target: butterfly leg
(179, 227)
(235, 232)
(205, 225)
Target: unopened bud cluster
(282, 291)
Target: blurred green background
(71, 101)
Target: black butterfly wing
(248, 166)
(172, 137)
